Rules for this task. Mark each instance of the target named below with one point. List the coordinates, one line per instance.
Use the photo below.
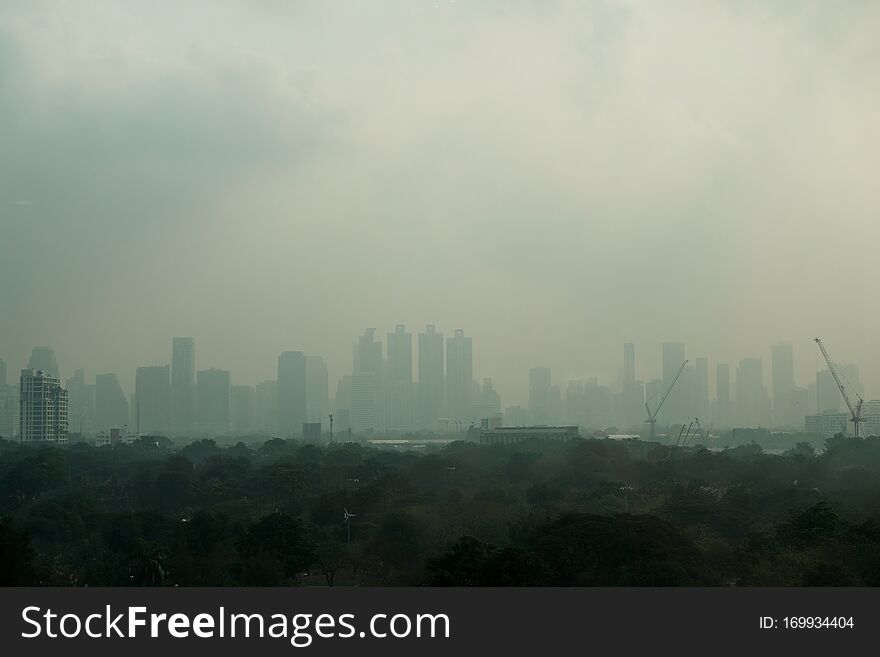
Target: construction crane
(854, 411)
(652, 416)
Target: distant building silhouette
(212, 401)
(43, 358)
(292, 385)
(459, 377)
(399, 379)
(242, 409)
(432, 405)
(111, 406)
(152, 400)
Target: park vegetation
(590, 512)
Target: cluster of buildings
(411, 383)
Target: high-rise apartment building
(432, 405)
(459, 377)
(782, 372)
(42, 408)
(399, 379)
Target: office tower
(701, 383)
(292, 383)
(399, 379)
(42, 408)
(81, 402)
(212, 401)
(366, 383)
(782, 371)
(43, 358)
(459, 377)
(575, 404)
(266, 401)
(539, 395)
(632, 391)
(152, 387)
(183, 379)
(827, 392)
(111, 406)
(430, 390)
(242, 409)
(721, 415)
(675, 408)
(317, 393)
(489, 401)
(751, 396)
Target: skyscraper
(632, 391)
(81, 402)
(366, 383)
(782, 371)
(42, 408)
(242, 409)
(2, 372)
(540, 395)
(827, 393)
(431, 393)
(751, 396)
(675, 408)
(183, 368)
(459, 377)
(111, 406)
(399, 379)
(152, 398)
(43, 358)
(292, 386)
(266, 400)
(212, 401)
(318, 392)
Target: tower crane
(854, 411)
(652, 415)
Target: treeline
(588, 512)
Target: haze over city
(556, 178)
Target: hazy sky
(554, 177)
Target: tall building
(183, 396)
(292, 387)
(152, 386)
(366, 383)
(675, 408)
(489, 401)
(432, 405)
(212, 401)
(540, 395)
(43, 358)
(318, 390)
(242, 409)
(459, 377)
(632, 391)
(111, 406)
(266, 401)
(3, 379)
(721, 413)
(81, 402)
(827, 393)
(751, 396)
(782, 370)
(399, 379)
(42, 408)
